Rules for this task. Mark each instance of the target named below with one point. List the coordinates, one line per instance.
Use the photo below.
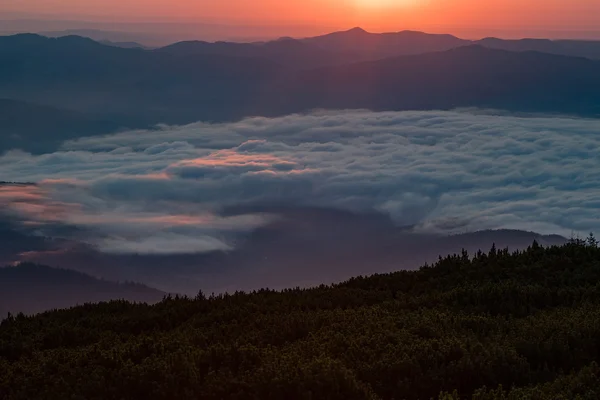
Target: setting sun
(261, 19)
(389, 4)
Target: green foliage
(496, 326)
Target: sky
(374, 15)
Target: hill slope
(130, 86)
(294, 54)
(31, 288)
(40, 128)
(462, 77)
(528, 321)
(574, 48)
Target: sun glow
(389, 4)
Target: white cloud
(164, 244)
(441, 171)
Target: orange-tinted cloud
(33, 203)
(231, 158)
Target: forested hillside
(498, 325)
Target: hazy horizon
(168, 28)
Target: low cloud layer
(171, 190)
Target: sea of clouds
(171, 190)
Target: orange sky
(375, 15)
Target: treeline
(17, 183)
(494, 326)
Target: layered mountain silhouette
(332, 49)
(129, 87)
(370, 46)
(31, 288)
(69, 86)
(291, 53)
(359, 45)
(356, 43)
(462, 77)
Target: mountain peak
(285, 39)
(357, 29)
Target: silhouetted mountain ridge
(129, 87)
(371, 46)
(357, 44)
(290, 52)
(83, 87)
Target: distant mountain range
(573, 48)
(157, 34)
(336, 48)
(31, 288)
(470, 76)
(357, 43)
(372, 46)
(290, 53)
(55, 89)
(110, 38)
